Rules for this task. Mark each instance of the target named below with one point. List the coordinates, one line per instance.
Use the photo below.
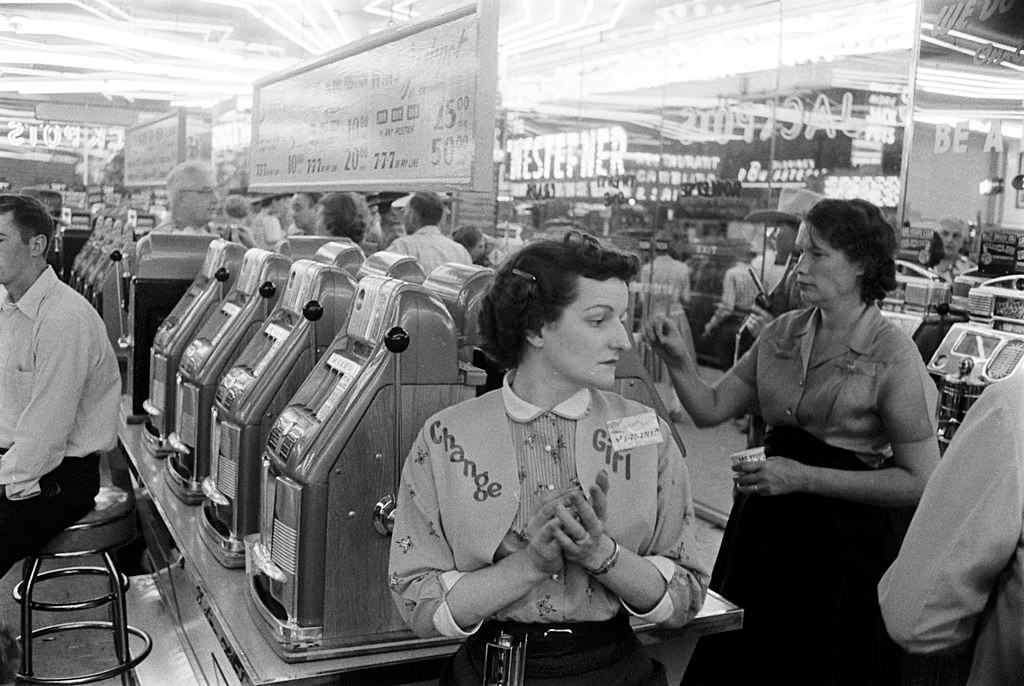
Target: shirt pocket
(854, 390)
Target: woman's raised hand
(665, 337)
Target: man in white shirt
(425, 241)
(957, 585)
(192, 197)
(59, 388)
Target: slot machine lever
(396, 340)
(122, 340)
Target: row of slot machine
(970, 332)
(283, 391)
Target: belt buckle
(505, 660)
(547, 632)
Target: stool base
(130, 663)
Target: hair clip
(525, 275)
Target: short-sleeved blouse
(874, 392)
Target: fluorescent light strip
(956, 48)
(613, 20)
(105, 64)
(511, 37)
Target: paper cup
(749, 455)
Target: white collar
(574, 407)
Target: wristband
(608, 563)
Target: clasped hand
(570, 527)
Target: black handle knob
(116, 256)
(221, 274)
(396, 340)
(313, 311)
(942, 309)
(1019, 284)
(267, 289)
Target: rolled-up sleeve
(420, 554)
(673, 548)
(966, 530)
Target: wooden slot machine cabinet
(253, 392)
(216, 277)
(216, 346)
(317, 567)
(980, 352)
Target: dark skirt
(805, 569)
(606, 653)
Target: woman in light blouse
(850, 409)
(494, 533)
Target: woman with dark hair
(515, 514)
(850, 411)
(345, 215)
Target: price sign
(410, 109)
(153, 149)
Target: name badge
(635, 431)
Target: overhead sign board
(409, 109)
(153, 149)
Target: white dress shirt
(431, 248)
(59, 383)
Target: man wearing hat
(424, 241)
(779, 278)
(386, 222)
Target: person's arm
(63, 360)
(903, 484)
(432, 595)
(967, 528)
(707, 405)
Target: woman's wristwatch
(608, 563)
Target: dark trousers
(66, 496)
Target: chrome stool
(110, 525)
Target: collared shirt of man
(60, 385)
(958, 582)
(431, 248)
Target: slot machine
(222, 337)
(920, 306)
(341, 253)
(97, 237)
(215, 279)
(253, 392)
(163, 268)
(384, 263)
(98, 262)
(70, 240)
(111, 299)
(980, 352)
(331, 470)
(303, 247)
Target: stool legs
(29, 581)
(120, 611)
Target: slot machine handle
(122, 339)
(313, 311)
(267, 290)
(396, 340)
(222, 274)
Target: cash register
(331, 470)
(215, 279)
(218, 343)
(253, 392)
